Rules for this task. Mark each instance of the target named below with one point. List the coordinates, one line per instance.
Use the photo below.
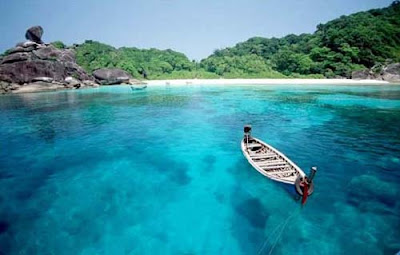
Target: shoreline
(265, 82)
(35, 88)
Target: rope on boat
(283, 225)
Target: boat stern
(247, 133)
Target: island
(362, 46)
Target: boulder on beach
(111, 76)
(391, 73)
(90, 83)
(72, 82)
(365, 74)
(39, 86)
(34, 34)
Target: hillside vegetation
(338, 47)
(358, 41)
(155, 63)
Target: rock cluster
(35, 66)
(390, 73)
(111, 76)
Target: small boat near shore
(138, 87)
(275, 165)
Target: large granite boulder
(391, 73)
(34, 34)
(49, 52)
(31, 62)
(72, 82)
(26, 71)
(365, 74)
(111, 76)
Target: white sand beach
(264, 82)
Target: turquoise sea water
(160, 171)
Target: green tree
(58, 45)
(361, 40)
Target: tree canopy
(358, 41)
(155, 63)
(337, 48)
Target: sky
(194, 27)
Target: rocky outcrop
(365, 74)
(43, 79)
(72, 82)
(43, 61)
(90, 83)
(111, 76)
(39, 86)
(33, 62)
(390, 73)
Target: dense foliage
(58, 45)
(337, 48)
(155, 63)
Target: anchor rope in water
(270, 235)
(280, 234)
(283, 225)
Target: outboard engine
(305, 185)
(247, 133)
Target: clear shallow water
(160, 171)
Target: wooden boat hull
(270, 162)
(138, 87)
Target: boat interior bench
(271, 162)
(262, 156)
(254, 145)
(281, 172)
(276, 167)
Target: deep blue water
(160, 171)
